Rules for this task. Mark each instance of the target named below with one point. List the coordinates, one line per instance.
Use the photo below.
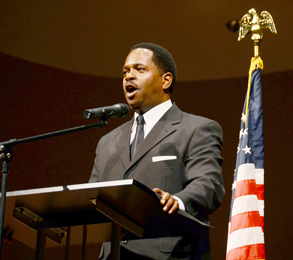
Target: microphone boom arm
(15, 142)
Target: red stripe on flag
(260, 191)
(246, 187)
(262, 223)
(250, 252)
(245, 220)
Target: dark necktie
(139, 135)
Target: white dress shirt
(151, 117)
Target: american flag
(246, 221)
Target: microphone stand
(6, 155)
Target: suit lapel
(123, 144)
(163, 128)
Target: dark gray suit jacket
(193, 172)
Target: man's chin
(134, 106)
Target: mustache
(130, 83)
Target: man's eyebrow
(132, 65)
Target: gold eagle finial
(254, 23)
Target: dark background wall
(37, 99)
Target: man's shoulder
(189, 120)
(197, 120)
(175, 111)
(193, 117)
(118, 130)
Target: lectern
(104, 211)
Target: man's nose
(130, 75)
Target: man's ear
(167, 81)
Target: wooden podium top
(56, 208)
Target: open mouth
(130, 90)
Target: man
(178, 155)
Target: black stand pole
(6, 156)
(3, 198)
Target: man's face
(142, 81)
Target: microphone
(103, 113)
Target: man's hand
(169, 203)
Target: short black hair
(162, 58)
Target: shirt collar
(152, 116)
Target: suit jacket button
(124, 242)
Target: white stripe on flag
(246, 171)
(259, 176)
(244, 237)
(261, 207)
(244, 204)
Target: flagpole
(246, 221)
(254, 23)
